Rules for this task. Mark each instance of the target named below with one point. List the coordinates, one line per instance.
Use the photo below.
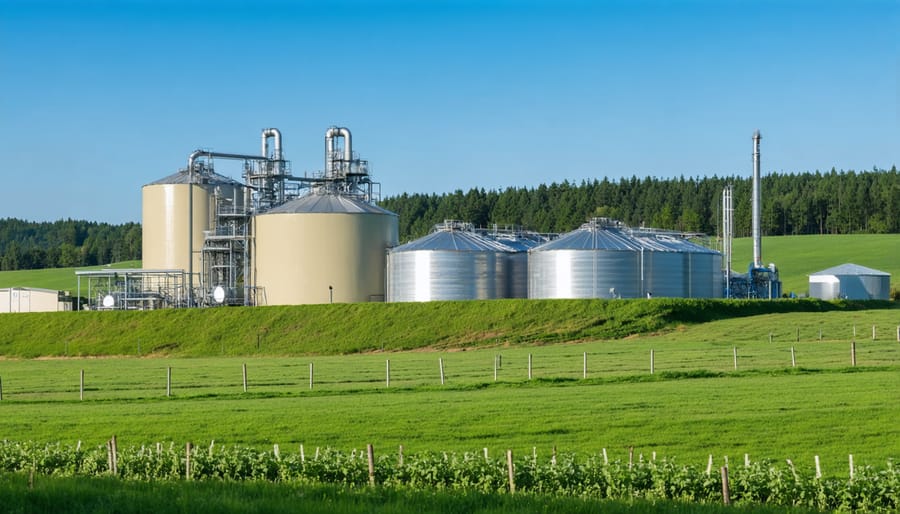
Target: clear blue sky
(98, 98)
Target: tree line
(806, 203)
(793, 204)
(66, 243)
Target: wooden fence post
(853, 353)
(310, 375)
(793, 358)
(734, 351)
(512, 471)
(187, 460)
(387, 373)
(1, 389)
(400, 457)
(726, 493)
(529, 366)
(169, 381)
(584, 366)
(818, 468)
(851, 466)
(651, 362)
(495, 367)
(244, 369)
(605, 457)
(81, 387)
(873, 332)
(370, 450)
(709, 464)
(441, 366)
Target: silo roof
(328, 203)
(592, 238)
(204, 177)
(851, 269)
(453, 241)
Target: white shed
(850, 281)
(30, 299)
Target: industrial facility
(850, 282)
(278, 239)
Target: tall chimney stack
(756, 201)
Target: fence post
(529, 366)
(81, 387)
(873, 332)
(370, 450)
(726, 493)
(584, 375)
(495, 367)
(1, 389)
(793, 358)
(512, 471)
(388, 373)
(310, 375)
(851, 466)
(441, 365)
(168, 381)
(818, 468)
(114, 455)
(651, 362)
(187, 460)
(734, 351)
(853, 353)
(709, 464)
(244, 369)
(400, 457)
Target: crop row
(761, 482)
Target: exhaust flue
(756, 201)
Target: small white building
(850, 281)
(30, 299)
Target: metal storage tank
(605, 259)
(675, 267)
(166, 216)
(517, 265)
(593, 261)
(850, 281)
(322, 248)
(451, 263)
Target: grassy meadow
(61, 279)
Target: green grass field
(61, 279)
(798, 256)
(108, 495)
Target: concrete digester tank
(322, 248)
(452, 263)
(166, 216)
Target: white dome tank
(322, 248)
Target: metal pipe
(330, 135)
(273, 133)
(757, 204)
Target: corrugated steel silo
(322, 248)
(451, 263)
(517, 266)
(678, 268)
(594, 261)
(850, 281)
(165, 218)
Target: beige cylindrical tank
(322, 248)
(165, 217)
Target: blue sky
(98, 98)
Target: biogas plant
(274, 238)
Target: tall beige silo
(322, 248)
(166, 217)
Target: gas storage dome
(606, 259)
(452, 263)
(322, 248)
(166, 215)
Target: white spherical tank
(166, 216)
(322, 248)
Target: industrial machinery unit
(606, 259)
(760, 281)
(454, 262)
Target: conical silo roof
(592, 236)
(328, 203)
(204, 176)
(453, 240)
